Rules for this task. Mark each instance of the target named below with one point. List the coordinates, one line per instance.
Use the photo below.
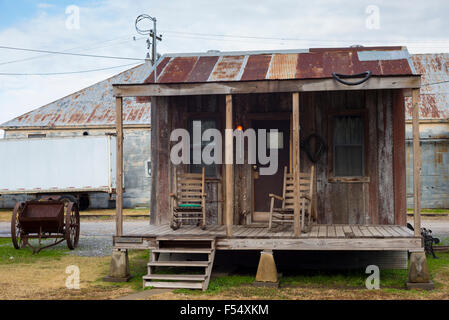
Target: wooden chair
(188, 201)
(285, 214)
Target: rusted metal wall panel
(283, 66)
(434, 94)
(159, 70)
(256, 67)
(202, 69)
(178, 70)
(228, 68)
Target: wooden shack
(351, 130)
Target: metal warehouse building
(434, 131)
(91, 111)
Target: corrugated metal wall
(435, 165)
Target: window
(36, 135)
(211, 170)
(348, 146)
(148, 168)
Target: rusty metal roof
(434, 95)
(315, 63)
(92, 106)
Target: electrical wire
(433, 83)
(67, 72)
(432, 41)
(70, 54)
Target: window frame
(331, 157)
(203, 117)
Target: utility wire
(298, 39)
(83, 48)
(433, 83)
(70, 54)
(68, 72)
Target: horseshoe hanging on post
(320, 147)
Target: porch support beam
(119, 167)
(261, 86)
(229, 156)
(416, 164)
(296, 163)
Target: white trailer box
(57, 165)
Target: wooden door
(263, 185)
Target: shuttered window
(348, 140)
(211, 170)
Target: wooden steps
(183, 253)
(178, 264)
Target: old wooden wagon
(351, 130)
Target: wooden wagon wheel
(72, 225)
(16, 231)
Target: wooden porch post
(416, 164)
(119, 168)
(229, 156)
(296, 163)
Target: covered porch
(359, 198)
(244, 237)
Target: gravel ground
(96, 236)
(95, 239)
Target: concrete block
(266, 271)
(119, 268)
(418, 272)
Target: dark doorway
(264, 185)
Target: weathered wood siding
(377, 199)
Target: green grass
(431, 211)
(444, 242)
(390, 280)
(138, 260)
(216, 285)
(9, 255)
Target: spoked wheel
(72, 225)
(16, 231)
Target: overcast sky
(106, 27)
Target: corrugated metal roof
(92, 106)
(434, 102)
(278, 65)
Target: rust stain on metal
(434, 93)
(160, 68)
(202, 69)
(178, 70)
(93, 106)
(227, 68)
(395, 67)
(257, 67)
(337, 61)
(310, 65)
(283, 66)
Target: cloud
(45, 5)
(107, 28)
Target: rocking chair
(285, 214)
(188, 201)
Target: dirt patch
(46, 280)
